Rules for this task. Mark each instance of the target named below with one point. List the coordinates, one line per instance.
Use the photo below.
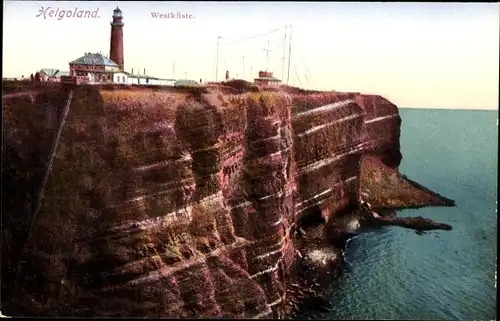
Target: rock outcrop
(175, 202)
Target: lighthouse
(116, 45)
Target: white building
(120, 78)
(134, 79)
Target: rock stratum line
(180, 202)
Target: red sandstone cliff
(178, 202)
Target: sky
(420, 55)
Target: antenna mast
(284, 54)
(267, 55)
(217, 60)
(289, 54)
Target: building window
(123, 78)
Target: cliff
(178, 202)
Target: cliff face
(175, 203)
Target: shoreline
(334, 236)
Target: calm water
(397, 274)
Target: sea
(396, 274)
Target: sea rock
(174, 202)
(417, 223)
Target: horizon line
(451, 108)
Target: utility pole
(217, 61)
(267, 54)
(284, 54)
(289, 54)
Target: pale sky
(443, 55)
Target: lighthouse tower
(116, 46)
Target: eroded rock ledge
(182, 202)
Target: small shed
(266, 78)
